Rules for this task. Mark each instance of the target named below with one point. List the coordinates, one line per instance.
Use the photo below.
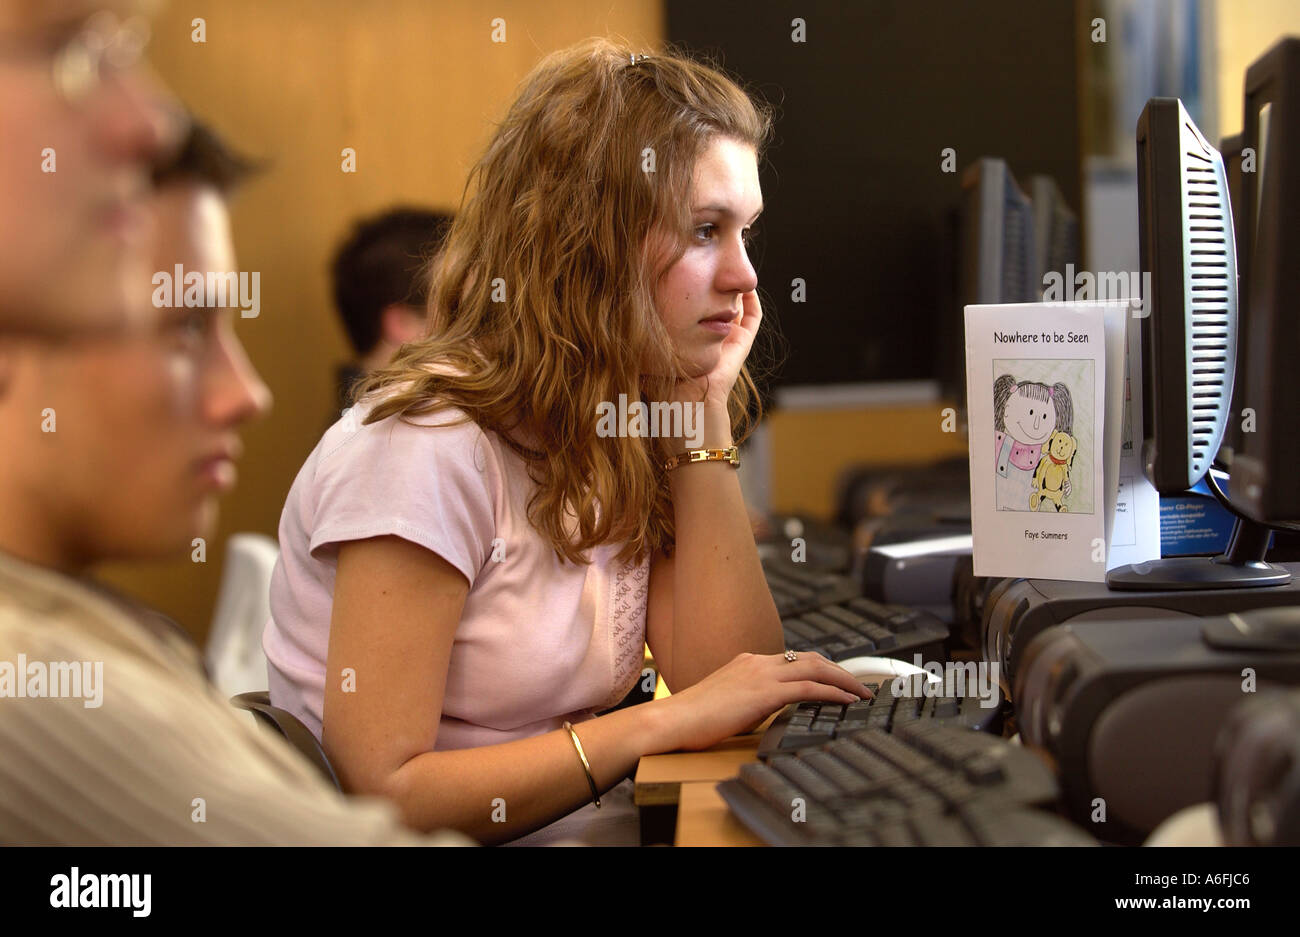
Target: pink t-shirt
(538, 643)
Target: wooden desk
(676, 797)
(704, 819)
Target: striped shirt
(111, 735)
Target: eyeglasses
(80, 62)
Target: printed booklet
(1052, 427)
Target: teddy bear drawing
(1052, 476)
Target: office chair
(290, 728)
(234, 656)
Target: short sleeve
(432, 483)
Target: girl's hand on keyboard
(738, 696)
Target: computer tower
(921, 573)
(970, 594)
(1131, 711)
(1020, 609)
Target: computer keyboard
(922, 784)
(808, 724)
(827, 613)
(797, 588)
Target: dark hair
(1058, 394)
(204, 158)
(384, 260)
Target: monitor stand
(1241, 566)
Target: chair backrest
(234, 655)
(290, 728)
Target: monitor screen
(1263, 483)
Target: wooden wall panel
(414, 87)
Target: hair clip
(638, 58)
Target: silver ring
(791, 655)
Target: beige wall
(1244, 30)
(413, 87)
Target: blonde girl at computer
(469, 565)
(1025, 414)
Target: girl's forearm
(721, 602)
(501, 792)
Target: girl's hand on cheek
(715, 387)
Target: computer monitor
(997, 256)
(1056, 231)
(1189, 339)
(1264, 482)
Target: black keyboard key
(904, 622)
(803, 629)
(858, 714)
(951, 788)
(846, 616)
(793, 741)
(769, 785)
(824, 623)
(869, 608)
(865, 763)
(807, 780)
(882, 638)
(983, 769)
(839, 773)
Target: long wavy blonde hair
(542, 305)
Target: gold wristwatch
(731, 454)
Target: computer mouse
(887, 667)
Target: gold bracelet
(730, 454)
(586, 766)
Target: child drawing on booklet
(1025, 415)
(1052, 477)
